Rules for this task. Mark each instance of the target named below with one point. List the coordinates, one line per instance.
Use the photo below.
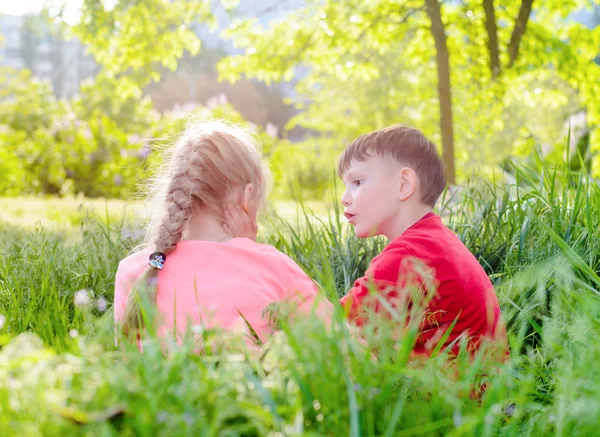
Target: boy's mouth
(349, 216)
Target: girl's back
(191, 273)
(210, 283)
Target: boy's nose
(345, 199)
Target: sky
(21, 7)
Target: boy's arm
(388, 276)
(362, 297)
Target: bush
(62, 147)
(304, 170)
(99, 144)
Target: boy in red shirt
(393, 178)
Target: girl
(193, 270)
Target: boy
(393, 178)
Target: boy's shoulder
(388, 263)
(427, 232)
(429, 238)
(428, 241)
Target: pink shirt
(206, 283)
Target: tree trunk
(445, 97)
(519, 31)
(492, 31)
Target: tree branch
(492, 31)
(380, 17)
(519, 31)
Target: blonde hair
(209, 160)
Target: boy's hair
(204, 166)
(407, 146)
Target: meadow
(536, 237)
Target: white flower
(162, 416)
(197, 329)
(188, 418)
(2, 321)
(82, 298)
(101, 304)
(457, 419)
(73, 333)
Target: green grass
(59, 214)
(60, 373)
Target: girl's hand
(238, 223)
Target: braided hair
(209, 160)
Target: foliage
(370, 63)
(303, 171)
(131, 40)
(101, 142)
(373, 63)
(98, 144)
(87, 145)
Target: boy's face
(372, 197)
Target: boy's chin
(361, 233)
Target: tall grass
(60, 373)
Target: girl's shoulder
(136, 257)
(276, 258)
(197, 250)
(260, 247)
(133, 265)
(291, 266)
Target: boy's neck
(205, 226)
(408, 218)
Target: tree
(443, 65)
(342, 48)
(444, 87)
(132, 40)
(519, 31)
(492, 33)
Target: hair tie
(157, 260)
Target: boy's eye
(357, 182)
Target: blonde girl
(193, 271)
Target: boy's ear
(247, 196)
(408, 183)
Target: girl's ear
(247, 196)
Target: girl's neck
(205, 226)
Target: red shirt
(463, 290)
